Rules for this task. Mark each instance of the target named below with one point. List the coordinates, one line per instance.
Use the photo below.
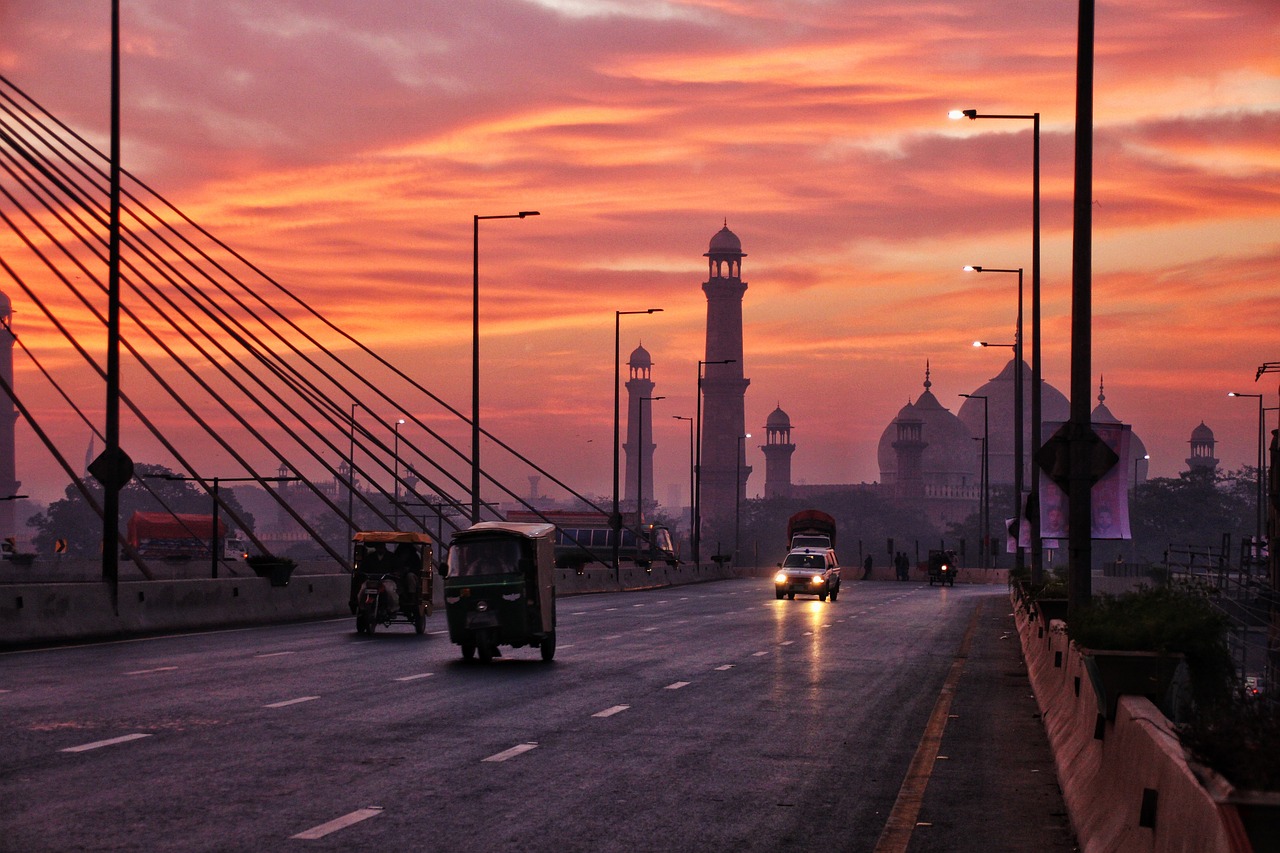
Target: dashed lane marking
(273, 654)
(415, 677)
(338, 823)
(676, 685)
(759, 654)
(786, 642)
(149, 671)
(609, 712)
(98, 744)
(724, 667)
(288, 702)
(518, 749)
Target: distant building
(639, 452)
(1202, 462)
(777, 454)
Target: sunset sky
(344, 147)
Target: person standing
(866, 568)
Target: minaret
(909, 447)
(777, 454)
(639, 454)
(723, 392)
(8, 417)
(1202, 462)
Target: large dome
(951, 457)
(999, 391)
(777, 419)
(640, 357)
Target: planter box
(1051, 608)
(1116, 673)
(1254, 815)
(277, 572)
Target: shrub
(1240, 739)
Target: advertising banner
(1109, 498)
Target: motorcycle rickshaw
(499, 588)
(392, 579)
(942, 568)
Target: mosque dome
(1000, 392)
(725, 242)
(1135, 466)
(777, 419)
(640, 358)
(1202, 433)
(951, 456)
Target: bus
(587, 537)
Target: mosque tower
(723, 390)
(8, 417)
(1202, 462)
(639, 422)
(777, 454)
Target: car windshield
(488, 556)
(804, 561)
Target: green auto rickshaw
(499, 588)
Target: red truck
(166, 535)
(811, 528)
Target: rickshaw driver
(407, 564)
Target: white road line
(654, 628)
(291, 701)
(340, 823)
(518, 749)
(759, 654)
(724, 667)
(609, 712)
(677, 685)
(85, 747)
(273, 654)
(612, 637)
(415, 677)
(149, 671)
(786, 642)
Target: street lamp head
(522, 214)
(979, 343)
(963, 114)
(971, 268)
(400, 422)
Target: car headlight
(482, 606)
(780, 578)
(817, 579)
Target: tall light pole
(737, 494)
(395, 478)
(1261, 430)
(697, 466)
(615, 522)
(1037, 547)
(640, 457)
(984, 515)
(1018, 425)
(351, 486)
(1133, 542)
(690, 420)
(475, 353)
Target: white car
(808, 571)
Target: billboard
(1109, 498)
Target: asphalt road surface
(700, 718)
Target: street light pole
(690, 420)
(697, 466)
(395, 477)
(1258, 496)
(1037, 415)
(984, 515)
(475, 352)
(615, 522)
(737, 494)
(1018, 425)
(640, 457)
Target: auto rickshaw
(942, 568)
(392, 579)
(499, 588)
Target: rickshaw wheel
(468, 651)
(371, 626)
(791, 596)
(486, 653)
(361, 626)
(420, 623)
(548, 647)
(835, 592)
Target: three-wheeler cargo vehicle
(392, 579)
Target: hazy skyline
(345, 147)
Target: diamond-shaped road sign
(1054, 457)
(112, 470)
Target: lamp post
(615, 521)
(690, 420)
(697, 466)
(640, 457)
(737, 494)
(1261, 429)
(984, 515)
(395, 479)
(1037, 549)
(475, 352)
(1018, 426)
(1133, 542)
(351, 486)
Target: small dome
(777, 420)
(6, 307)
(1202, 433)
(725, 242)
(640, 358)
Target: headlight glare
(780, 578)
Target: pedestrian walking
(866, 568)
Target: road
(701, 718)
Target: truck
(178, 536)
(811, 528)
